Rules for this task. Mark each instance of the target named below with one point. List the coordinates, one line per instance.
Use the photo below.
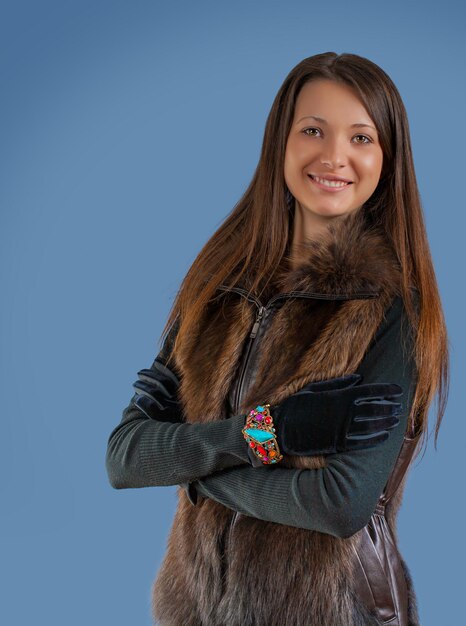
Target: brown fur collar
(349, 257)
(355, 271)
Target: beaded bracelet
(259, 433)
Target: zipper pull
(257, 322)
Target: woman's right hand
(336, 415)
(157, 393)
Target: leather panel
(379, 580)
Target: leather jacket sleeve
(145, 451)
(340, 498)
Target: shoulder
(397, 313)
(391, 350)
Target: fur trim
(413, 614)
(350, 257)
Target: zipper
(252, 336)
(257, 322)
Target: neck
(306, 227)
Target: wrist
(260, 435)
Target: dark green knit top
(213, 458)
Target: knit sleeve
(340, 498)
(163, 449)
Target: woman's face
(342, 143)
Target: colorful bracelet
(259, 433)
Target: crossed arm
(338, 499)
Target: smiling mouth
(331, 184)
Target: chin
(329, 213)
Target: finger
(166, 372)
(377, 391)
(367, 427)
(361, 443)
(159, 376)
(376, 409)
(148, 405)
(154, 388)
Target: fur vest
(242, 353)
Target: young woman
(301, 356)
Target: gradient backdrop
(128, 130)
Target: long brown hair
(255, 234)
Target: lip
(331, 177)
(330, 189)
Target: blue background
(128, 130)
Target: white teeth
(329, 183)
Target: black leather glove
(156, 393)
(336, 415)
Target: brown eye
(364, 137)
(305, 131)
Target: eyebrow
(321, 119)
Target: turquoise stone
(259, 435)
(259, 408)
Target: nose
(333, 152)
